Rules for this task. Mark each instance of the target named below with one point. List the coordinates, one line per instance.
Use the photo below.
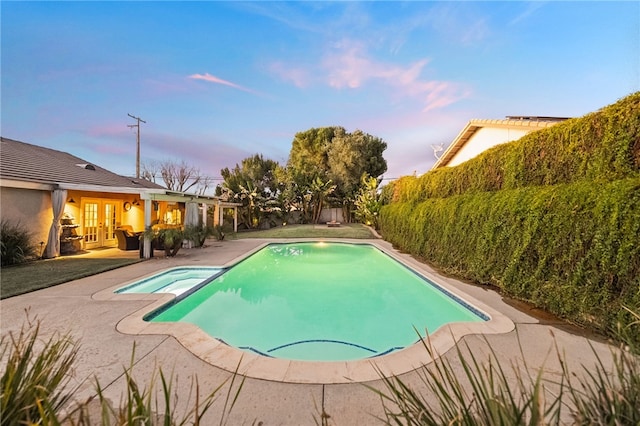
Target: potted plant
(198, 234)
(169, 239)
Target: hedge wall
(551, 221)
(604, 145)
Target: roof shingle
(32, 163)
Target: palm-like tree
(319, 192)
(251, 199)
(367, 201)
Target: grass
(348, 230)
(41, 274)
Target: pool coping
(219, 354)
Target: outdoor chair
(127, 240)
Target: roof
(511, 122)
(31, 163)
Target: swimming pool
(175, 280)
(317, 301)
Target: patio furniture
(127, 240)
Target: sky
(220, 81)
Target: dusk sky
(217, 82)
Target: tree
(308, 158)
(150, 170)
(350, 156)
(319, 192)
(256, 170)
(254, 183)
(179, 177)
(330, 154)
(368, 202)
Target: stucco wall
(31, 208)
(484, 139)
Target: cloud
(348, 65)
(213, 79)
(531, 9)
(109, 129)
(440, 94)
(298, 76)
(461, 23)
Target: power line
(220, 178)
(137, 142)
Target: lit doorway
(99, 220)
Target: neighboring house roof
(21, 161)
(525, 123)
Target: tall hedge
(553, 218)
(604, 145)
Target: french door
(99, 219)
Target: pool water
(320, 302)
(176, 280)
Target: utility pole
(137, 142)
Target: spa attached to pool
(310, 312)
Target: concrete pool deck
(81, 308)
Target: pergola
(191, 201)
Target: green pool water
(319, 301)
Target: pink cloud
(298, 76)
(348, 65)
(439, 94)
(213, 79)
(113, 129)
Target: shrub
(609, 397)
(601, 146)
(170, 239)
(219, 231)
(571, 249)
(552, 218)
(483, 392)
(367, 201)
(34, 382)
(145, 405)
(34, 389)
(16, 243)
(198, 234)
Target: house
(67, 202)
(480, 135)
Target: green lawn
(348, 230)
(41, 274)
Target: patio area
(105, 352)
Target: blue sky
(220, 81)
